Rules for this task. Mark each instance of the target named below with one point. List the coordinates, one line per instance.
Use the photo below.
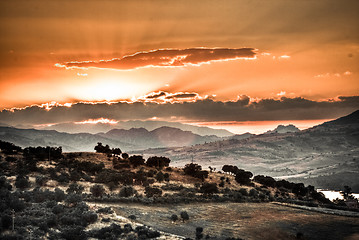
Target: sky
(207, 62)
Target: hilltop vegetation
(52, 192)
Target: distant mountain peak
(285, 129)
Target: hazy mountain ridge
(127, 125)
(68, 142)
(320, 156)
(135, 138)
(159, 137)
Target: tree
(116, 151)
(158, 162)
(243, 177)
(102, 149)
(347, 193)
(209, 188)
(230, 169)
(174, 217)
(97, 190)
(184, 216)
(136, 160)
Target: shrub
(184, 216)
(253, 193)
(158, 162)
(127, 191)
(75, 188)
(199, 232)
(160, 176)
(22, 182)
(243, 191)
(97, 190)
(243, 177)
(209, 188)
(136, 160)
(174, 217)
(265, 180)
(73, 199)
(59, 195)
(152, 191)
(41, 180)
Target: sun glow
(98, 120)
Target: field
(243, 220)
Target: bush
(152, 191)
(158, 162)
(127, 191)
(59, 195)
(184, 216)
(22, 182)
(75, 188)
(41, 180)
(73, 199)
(160, 176)
(209, 188)
(174, 217)
(136, 160)
(243, 177)
(97, 190)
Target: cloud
(205, 109)
(166, 58)
(182, 95)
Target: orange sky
(307, 49)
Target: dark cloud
(183, 95)
(156, 95)
(200, 110)
(166, 58)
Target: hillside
(326, 156)
(105, 196)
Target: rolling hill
(326, 155)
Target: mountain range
(326, 156)
(132, 139)
(149, 125)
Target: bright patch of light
(282, 93)
(99, 120)
(82, 74)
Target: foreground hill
(112, 196)
(326, 156)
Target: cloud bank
(166, 58)
(205, 109)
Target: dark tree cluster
(9, 148)
(195, 170)
(43, 153)
(230, 169)
(209, 188)
(136, 160)
(241, 176)
(265, 180)
(106, 149)
(158, 162)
